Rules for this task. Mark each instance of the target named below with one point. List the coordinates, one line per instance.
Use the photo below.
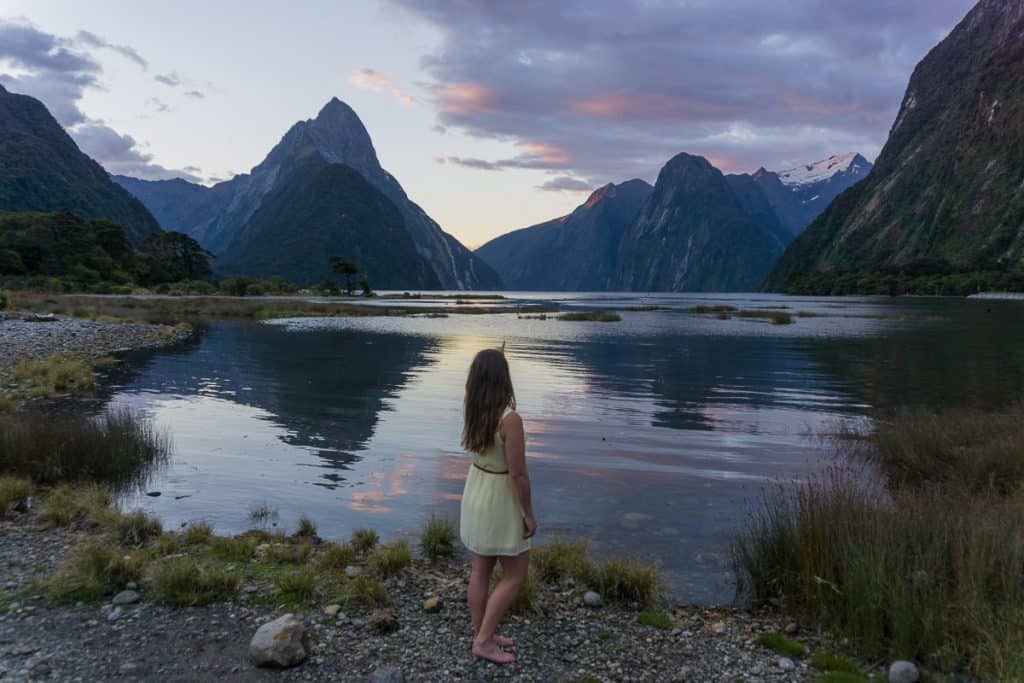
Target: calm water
(651, 436)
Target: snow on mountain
(818, 171)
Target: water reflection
(650, 436)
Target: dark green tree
(346, 269)
(365, 284)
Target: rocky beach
(422, 635)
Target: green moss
(655, 619)
(781, 644)
(830, 662)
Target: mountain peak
(824, 169)
(335, 110)
(599, 194)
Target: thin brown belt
(484, 469)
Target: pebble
(432, 604)
(902, 671)
(786, 664)
(332, 610)
(592, 599)
(352, 572)
(128, 597)
(115, 614)
(387, 674)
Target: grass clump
(625, 580)
(166, 544)
(14, 494)
(233, 548)
(52, 377)
(842, 677)
(66, 504)
(561, 559)
(120, 447)
(184, 582)
(364, 540)
(298, 586)
(655, 619)
(438, 537)
(94, 570)
(591, 316)
(289, 553)
(131, 528)
(830, 662)
(781, 644)
(197, 533)
(366, 592)
(306, 528)
(390, 559)
(336, 556)
(263, 514)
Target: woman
(497, 516)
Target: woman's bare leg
(479, 583)
(514, 570)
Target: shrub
(390, 559)
(119, 447)
(781, 644)
(438, 537)
(14, 493)
(183, 581)
(197, 533)
(297, 586)
(560, 559)
(364, 540)
(94, 570)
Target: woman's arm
(515, 453)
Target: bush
(14, 493)
(438, 537)
(390, 559)
(94, 570)
(119, 447)
(183, 582)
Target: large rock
(279, 642)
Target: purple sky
(492, 114)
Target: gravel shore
(22, 337)
(566, 642)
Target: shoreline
(563, 640)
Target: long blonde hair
(488, 392)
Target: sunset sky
(492, 115)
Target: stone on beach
(902, 671)
(592, 599)
(279, 642)
(127, 597)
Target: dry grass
(184, 581)
(390, 559)
(66, 504)
(335, 557)
(94, 570)
(437, 538)
(14, 494)
(615, 578)
(297, 586)
(197, 533)
(366, 592)
(364, 540)
(52, 377)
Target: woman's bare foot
(492, 652)
(502, 641)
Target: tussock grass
(297, 586)
(625, 580)
(366, 592)
(234, 548)
(167, 544)
(781, 644)
(263, 514)
(66, 504)
(14, 494)
(306, 528)
(120, 447)
(591, 316)
(197, 533)
(289, 553)
(364, 540)
(942, 570)
(390, 559)
(94, 570)
(336, 556)
(437, 538)
(184, 581)
(130, 528)
(52, 377)
(831, 662)
(560, 559)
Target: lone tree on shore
(365, 284)
(346, 269)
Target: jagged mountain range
(42, 169)
(948, 187)
(695, 230)
(222, 217)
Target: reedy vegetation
(925, 561)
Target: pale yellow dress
(491, 521)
